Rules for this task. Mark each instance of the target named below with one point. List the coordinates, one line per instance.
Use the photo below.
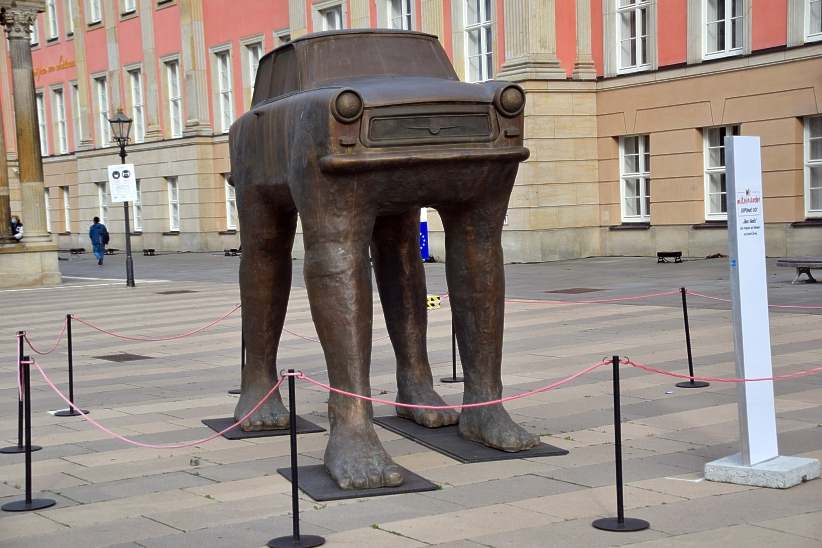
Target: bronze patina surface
(356, 130)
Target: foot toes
(392, 476)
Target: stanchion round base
(235, 391)
(13, 449)
(23, 506)
(452, 379)
(627, 525)
(69, 413)
(692, 384)
(305, 541)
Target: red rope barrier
(56, 343)
(794, 375)
(720, 299)
(596, 301)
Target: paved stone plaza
(228, 493)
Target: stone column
(296, 18)
(5, 203)
(113, 74)
(151, 109)
(584, 68)
(359, 14)
(431, 17)
(530, 41)
(17, 19)
(194, 61)
(86, 122)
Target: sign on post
(424, 255)
(122, 183)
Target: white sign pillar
(758, 462)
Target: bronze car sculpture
(355, 131)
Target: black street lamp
(120, 129)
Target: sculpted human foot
(355, 459)
(425, 395)
(492, 426)
(272, 415)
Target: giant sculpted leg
(268, 220)
(476, 283)
(401, 283)
(336, 230)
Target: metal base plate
(303, 427)
(627, 525)
(692, 384)
(14, 449)
(447, 440)
(68, 413)
(23, 506)
(317, 484)
(305, 541)
(452, 379)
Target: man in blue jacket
(99, 238)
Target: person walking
(99, 238)
(16, 228)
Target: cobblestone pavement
(228, 494)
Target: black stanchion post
(690, 383)
(453, 377)
(70, 412)
(619, 523)
(28, 503)
(295, 540)
(19, 448)
(242, 363)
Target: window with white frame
(635, 178)
(253, 52)
(129, 6)
(64, 191)
(47, 205)
(58, 110)
(281, 38)
(34, 37)
(632, 26)
(101, 96)
(724, 28)
(399, 14)
(103, 199)
(69, 17)
(478, 40)
(813, 166)
(135, 86)
(230, 205)
(331, 18)
(716, 197)
(95, 12)
(224, 94)
(813, 19)
(41, 123)
(137, 208)
(51, 18)
(173, 204)
(76, 119)
(175, 99)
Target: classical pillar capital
(18, 16)
(531, 41)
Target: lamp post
(120, 129)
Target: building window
(230, 205)
(59, 112)
(223, 60)
(34, 38)
(281, 38)
(51, 18)
(724, 27)
(76, 119)
(635, 178)
(253, 52)
(103, 126)
(47, 208)
(95, 13)
(173, 205)
(69, 17)
(813, 166)
(813, 28)
(331, 18)
(129, 6)
(175, 100)
(478, 40)
(41, 124)
(716, 200)
(399, 14)
(137, 209)
(135, 86)
(64, 190)
(103, 198)
(632, 25)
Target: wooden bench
(663, 256)
(803, 265)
